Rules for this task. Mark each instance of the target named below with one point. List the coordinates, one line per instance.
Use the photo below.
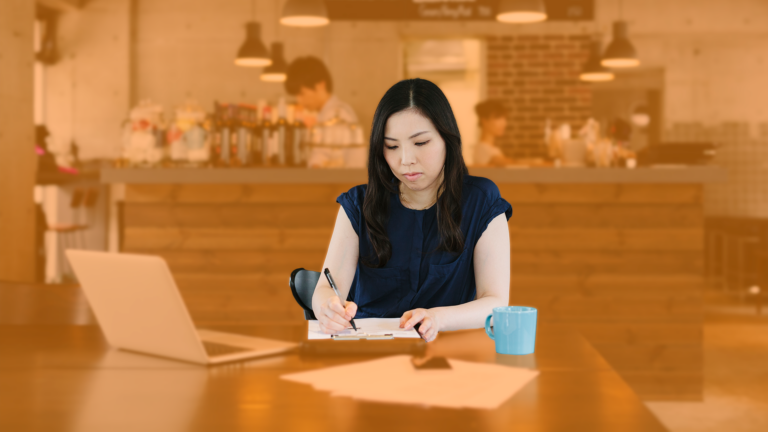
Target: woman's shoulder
(480, 187)
(352, 203)
(355, 195)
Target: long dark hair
(428, 100)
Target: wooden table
(66, 378)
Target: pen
(333, 285)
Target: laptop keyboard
(215, 349)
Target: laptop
(139, 308)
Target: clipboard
(363, 336)
(374, 348)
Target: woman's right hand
(333, 317)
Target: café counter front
(615, 253)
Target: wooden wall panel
(170, 238)
(606, 239)
(18, 161)
(224, 193)
(601, 193)
(230, 262)
(614, 308)
(238, 298)
(621, 263)
(230, 215)
(602, 215)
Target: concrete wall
(87, 91)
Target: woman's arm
(492, 274)
(341, 260)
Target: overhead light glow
(620, 62)
(593, 71)
(521, 11)
(620, 53)
(596, 76)
(252, 52)
(276, 72)
(305, 13)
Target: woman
(492, 119)
(423, 240)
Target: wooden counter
(617, 254)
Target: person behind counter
(309, 80)
(423, 240)
(492, 119)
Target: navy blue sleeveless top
(418, 275)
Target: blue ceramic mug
(514, 329)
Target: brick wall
(538, 78)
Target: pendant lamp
(49, 53)
(304, 13)
(521, 11)
(594, 71)
(620, 53)
(252, 52)
(276, 72)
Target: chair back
(303, 283)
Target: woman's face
(414, 150)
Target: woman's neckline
(396, 197)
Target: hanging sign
(458, 10)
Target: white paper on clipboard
(365, 326)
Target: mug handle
(488, 326)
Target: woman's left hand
(429, 324)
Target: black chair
(302, 285)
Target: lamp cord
(277, 12)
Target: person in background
(492, 119)
(309, 80)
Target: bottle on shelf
(245, 115)
(256, 135)
(233, 121)
(289, 134)
(225, 156)
(218, 136)
(294, 138)
(266, 135)
(274, 150)
(281, 127)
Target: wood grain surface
(65, 378)
(625, 256)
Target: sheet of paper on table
(395, 380)
(366, 326)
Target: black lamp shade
(253, 53)
(49, 53)
(593, 70)
(304, 13)
(521, 11)
(620, 53)
(276, 72)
